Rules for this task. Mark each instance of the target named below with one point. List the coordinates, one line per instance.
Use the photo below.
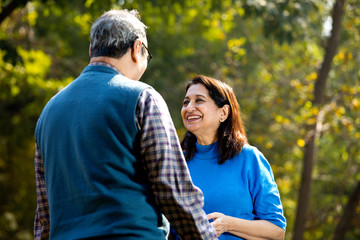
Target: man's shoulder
(150, 97)
(124, 82)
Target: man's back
(86, 134)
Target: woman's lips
(193, 118)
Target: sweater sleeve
(264, 191)
(42, 221)
(177, 197)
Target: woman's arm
(248, 229)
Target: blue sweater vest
(95, 181)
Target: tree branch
(349, 212)
(337, 16)
(311, 147)
(8, 9)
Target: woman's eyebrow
(197, 95)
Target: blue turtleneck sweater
(242, 187)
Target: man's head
(118, 37)
(115, 32)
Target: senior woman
(241, 197)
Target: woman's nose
(190, 107)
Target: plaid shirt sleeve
(179, 200)
(42, 221)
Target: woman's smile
(193, 118)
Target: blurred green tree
(269, 51)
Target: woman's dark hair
(231, 133)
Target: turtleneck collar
(212, 148)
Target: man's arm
(179, 200)
(42, 222)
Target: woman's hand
(247, 229)
(220, 222)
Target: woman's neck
(206, 140)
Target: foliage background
(269, 51)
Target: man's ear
(90, 50)
(136, 51)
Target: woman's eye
(186, 102)
(199, 100)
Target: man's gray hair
(113, 33)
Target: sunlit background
(269, 51)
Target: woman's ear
(225, 111)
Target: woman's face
(200, 114)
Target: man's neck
(122, 64)
(109, 60)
